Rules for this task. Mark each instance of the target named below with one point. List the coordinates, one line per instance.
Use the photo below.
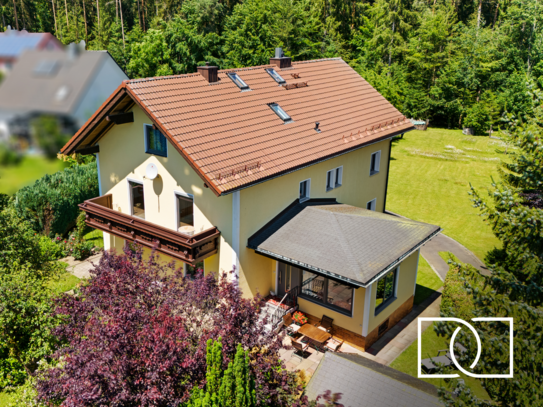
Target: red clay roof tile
(221, 129)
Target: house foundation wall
(363, 343)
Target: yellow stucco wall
(262, 202)
(406, 285)
(122, 157)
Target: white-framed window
(339, 177)
(184, 209)
(387, 289)
(334, 178)
(305, 190)
(371, 204)
(375, 162)
(137, 199)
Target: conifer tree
(227, 390)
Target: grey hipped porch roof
(343, 242)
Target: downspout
(388, 171)
(236, 213)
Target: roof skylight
(46, 67)
(273, 73)
(238, 81)
(280, 112)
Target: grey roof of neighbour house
(49, 81)
(364, 382)
(344, 242)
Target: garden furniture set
(318, 336)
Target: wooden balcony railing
(189, 249)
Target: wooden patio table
(315, 335)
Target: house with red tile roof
(13, 43)
(276, 172)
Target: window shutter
(377, 161)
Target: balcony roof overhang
(348, 244)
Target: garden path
(81, 268)
(443, 243)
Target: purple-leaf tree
(137, 334)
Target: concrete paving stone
(316, 357)
(290, 366)
(306, 364)
(295, 361)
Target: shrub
(50, 248)
(4, 201)
(12, 373)
(73, 245)
(8, 156)
(455, 295)
(21, 247)
(48, 133)
(51, 203)
(137, 335)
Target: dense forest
(456, 63)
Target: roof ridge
(226, 70)
(347, 250)
(318, 60)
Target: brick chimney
(280, 59)
(210, 73)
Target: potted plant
(299, 318)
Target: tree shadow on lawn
(422, 293)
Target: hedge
(50, 205)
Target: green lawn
(430, 172)
(96, 237)
(427, 281)
(31, 168)
(431, 344)
(65, 282)
(4, 399)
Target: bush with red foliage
(137, 334)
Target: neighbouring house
(67, 84)
(363, 382)
(13, 43)
(278, 172)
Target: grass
(430, 173)
(31, 168)
(5, 398)
(96, 237)
(427, 281)
(65, 282)
(431, 344)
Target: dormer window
(238, 81)
(280, 112)
(273, 73)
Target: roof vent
(317, 127)
(280, 59)
(210, 73)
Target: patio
(311, 358)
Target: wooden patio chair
(333, 344)
(289, 325)
(325, 324)
(300, 348)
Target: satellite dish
(151, 172)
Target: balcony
(188, 249)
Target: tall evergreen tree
(515, 287)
